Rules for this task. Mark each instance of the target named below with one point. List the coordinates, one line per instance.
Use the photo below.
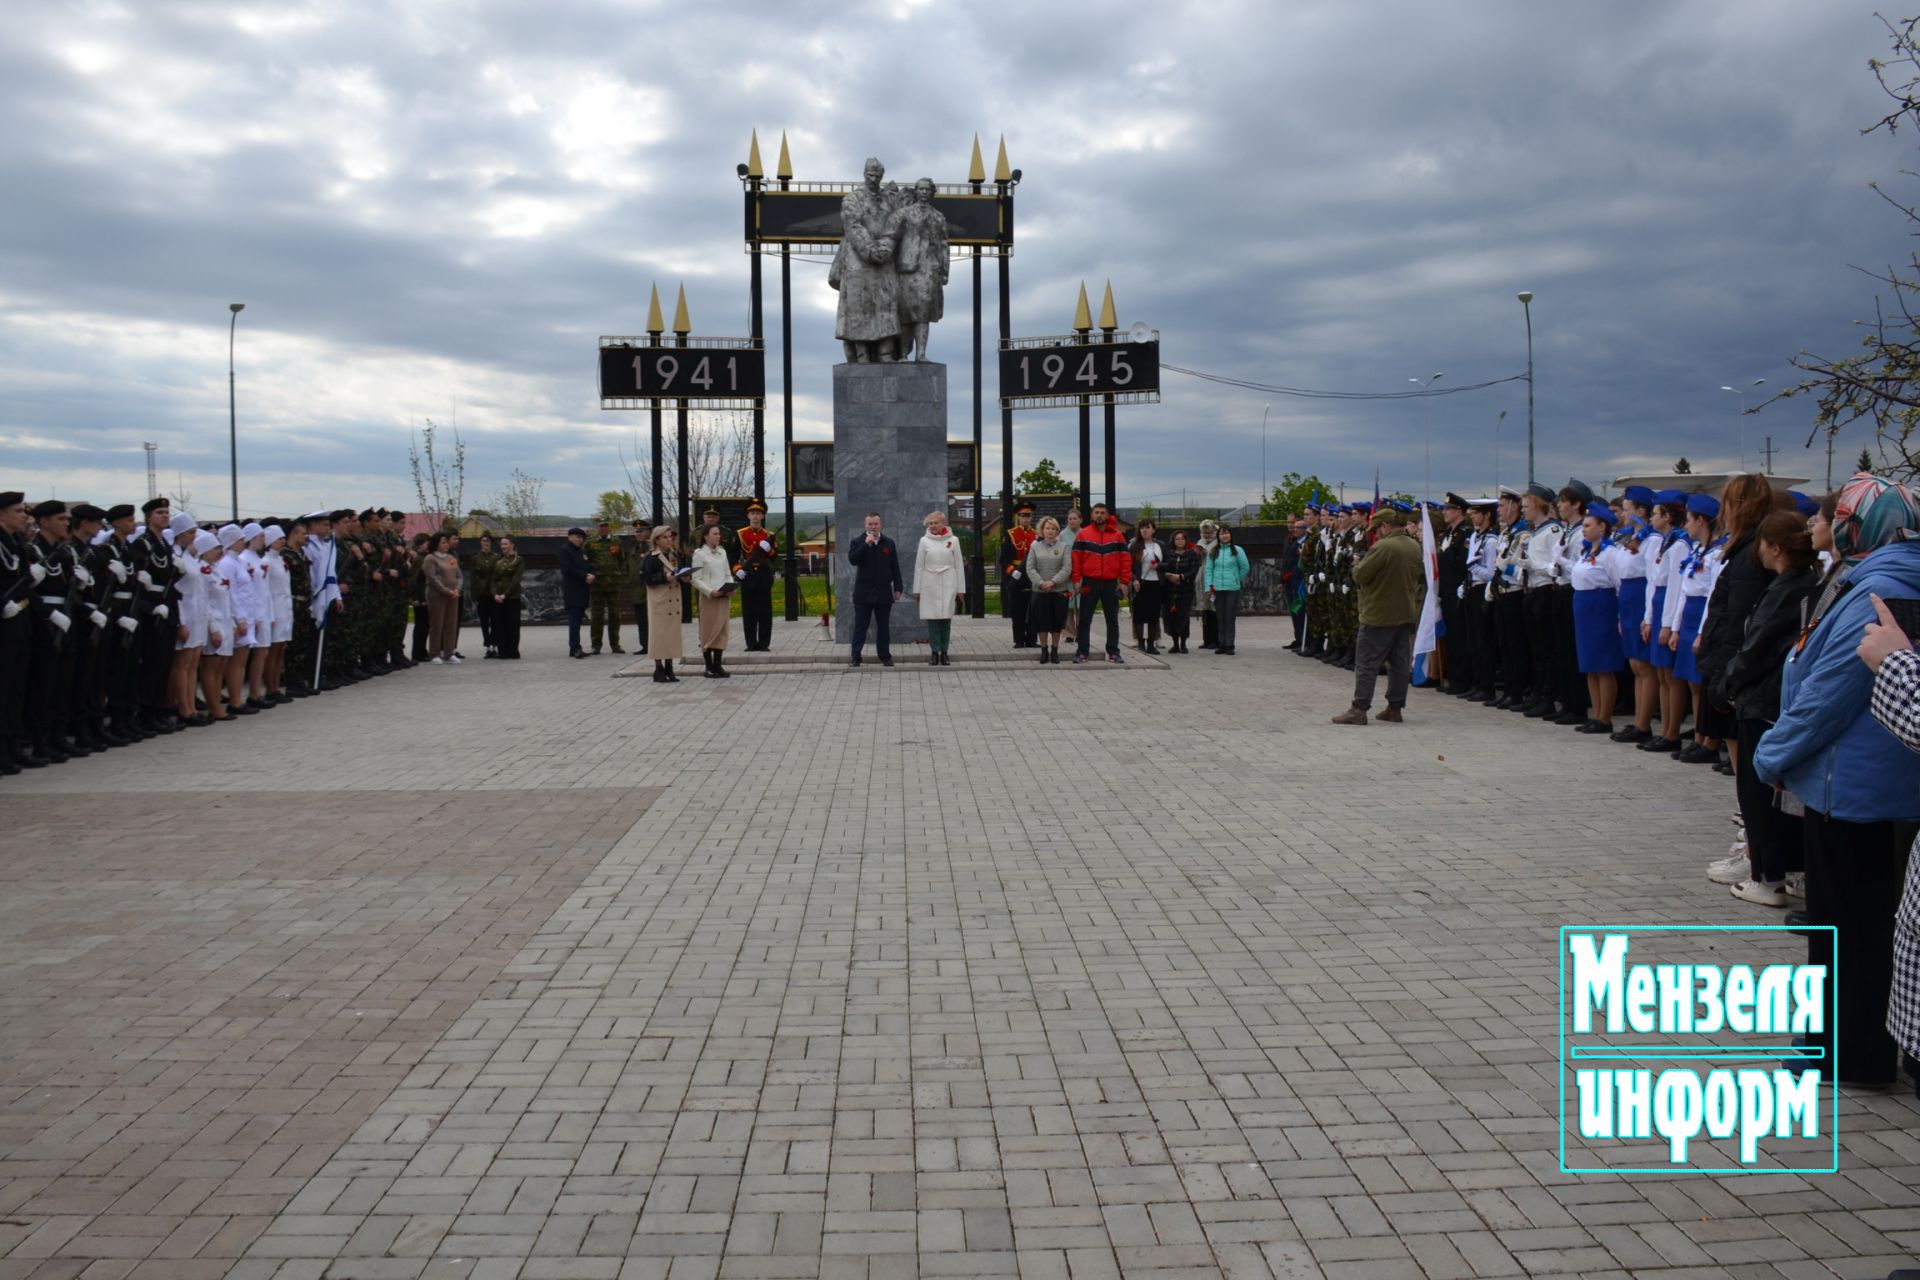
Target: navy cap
(576, 530)
(1704, 504)
(1601, 511)
(1540, 491)
(1578, 488)
(1638, 493)
(1808, 507)
(1668, 496)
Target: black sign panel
(682, 373)
(813, 217)
(1097, 369)
(963, 467)
(810, 468)
(1049, 504)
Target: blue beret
(1638, 493)
(1807, 507)
(1600, 511)
(1704, 504)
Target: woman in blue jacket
(1860, 787)
(1224, 573)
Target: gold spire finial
(682, 325)
(1108, 320)
(753, 157)
(785, 168)
(1002, 171)
(655, 324)
(1082, 320)
(976, 169)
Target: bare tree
(719, 464)
(519, 503)
(440, 485)
(1882, 381)
(181, 497)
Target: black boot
(719, 669)
(671, 678)
(659, 673)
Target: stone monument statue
(868, 318)
(920, 253)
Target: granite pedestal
(890, 456)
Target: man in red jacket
(1103, 570)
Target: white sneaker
(1738, 849)
(1796, 885)
(456, 660)
(1761, 895)
(1730, 870)
(438, 662)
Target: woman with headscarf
(1860, 788)
(1203, 604)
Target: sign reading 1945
(704, 369)
(1063, 370)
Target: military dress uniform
(301, 649)
(119, 666)
(50, 660)
(1309, 579)
(759, 552)
(609, 560)
(1510, 614)
(480, 583)
(16, 645)
(1016, 592)
(156, 608)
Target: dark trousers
(16, 653)
(1516, 655)
(155, 641)
(576, 615)
(506, 628)
(1571, 684)
(48, 668)
(1104, 595)
(1019, 598)
(422, 624)
(1542, 643)
(1209, 629)
(756, 609)
(1483, 644)
(640, 620)
(1299, 616)
(1180, 615)
(483, 610)
(1373, 646)
(1147, 604)
(1855, 871)
(1776, 841)
(82, 674)
(120, 663)
(879, 613)
(1226, 613)
(606, 618)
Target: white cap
(251, 530)
(166, 536)
(204, 542)
(229, 534)
(274, 533)
(181, 522)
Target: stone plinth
(890, 456)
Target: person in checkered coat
(1896, 705)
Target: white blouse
(1601, 573)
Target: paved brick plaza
(519, 970)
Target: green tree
(1043, 478)
(616, 506)
(1866, 461)
(1292, 494)
(1147, 513)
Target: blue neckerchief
(1670, 537)
(1590, 550)
(1697, 561)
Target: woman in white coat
(940, 585)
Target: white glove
(11, 612)
(1460, 592)
(766, 546)
(160, 612)
(740, 575)
(38, 572)
(97, 618)
(127, 624)
(60, 620)
(82, 575)
(118, 568)
(143, 578)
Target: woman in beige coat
(661, 572)
(713, 586)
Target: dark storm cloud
(438, 204)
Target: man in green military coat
(608, 555)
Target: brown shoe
(1352, 715)
(1391, 715)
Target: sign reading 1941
(1063, 370)
(704, 369)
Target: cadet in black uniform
(16, 641)
(49, 664)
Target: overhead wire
(1308, 393)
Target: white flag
(1426, 638)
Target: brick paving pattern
(520, 971)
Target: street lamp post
(1496, 451)
(233, 430)
(1426, 412)
(1742, 393)
(1265, 493)
(1526, 306)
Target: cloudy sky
(432, 210)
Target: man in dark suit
(576, 586)
(876, 586)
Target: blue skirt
(1596, 631)
(1633, 610)
(1662, 656)
(1690, 614)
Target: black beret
(151, 505)
(87, 511)
(51, 507)
(12, 498)
(120, 511)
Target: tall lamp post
(1265, 493)
(233, 430)
(1426, 414)
(1496, 451)
(1742, 393)
(1526, 306)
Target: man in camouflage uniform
(1345, 623)
(1310, 551)
(609, 559)
(300, 649)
